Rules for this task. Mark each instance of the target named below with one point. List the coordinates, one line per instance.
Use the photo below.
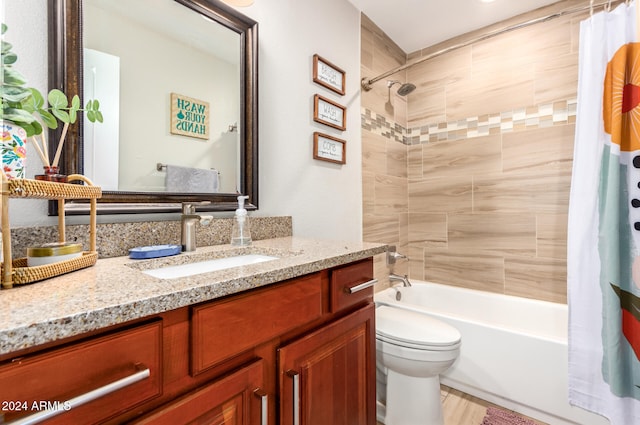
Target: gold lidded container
(52, 253)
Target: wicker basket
(26, 188)
(23, 274)
(17, 272)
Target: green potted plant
(24, 111)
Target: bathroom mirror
(177, 83)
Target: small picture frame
(328, 75)
(329, 148)
(329, 113)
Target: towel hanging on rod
(191, 180)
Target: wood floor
(462, 409)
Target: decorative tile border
(544, 115)
(378, 124)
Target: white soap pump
(241, 234)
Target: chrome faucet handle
(393, 255)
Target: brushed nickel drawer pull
(360, 287)
(85, 398)
(296, 395)
(264, 406)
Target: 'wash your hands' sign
(189, 116)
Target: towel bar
(162, 167)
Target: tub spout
(397, 278)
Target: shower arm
(366, 83)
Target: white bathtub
(514, 350)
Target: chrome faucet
(188, 222)
(404, 279)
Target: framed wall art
(328, 75)
(189, 116)
(329, 148)
(329, 113)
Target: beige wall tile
(414, 161)
(399, 104)
(441, 70)
(466, 269)
(552, 235)
(556, 78)
(536, 191)
(539, 148)
(381, 228)
(380, 272)
(487, 94)
(427, 106)
(479, 155)
(374, 153)
(416, 261)
(442, 194)
(520, 50)
(368, 191)
(396, 159)
(539, 278)
(366, 42)
(404, 232)
(494, 234)
(427, 229)
(391, 194)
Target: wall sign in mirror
(189, 116)
(328, 75)
(329, 113)
(328, 148)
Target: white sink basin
(183, 270)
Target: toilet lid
(405, 326)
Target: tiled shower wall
(470, 174)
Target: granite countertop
(115, 290)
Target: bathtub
(514, 350)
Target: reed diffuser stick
(39, 150)
(45, 147)
(60, 144)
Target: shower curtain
(603, 259)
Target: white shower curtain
(603, 268)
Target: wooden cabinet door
(328, 376)
(236, 399)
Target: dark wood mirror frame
(65, 73)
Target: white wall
(324, 199)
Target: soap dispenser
(241, 234)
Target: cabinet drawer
(50, 380)
(222, 329)
(349, 284)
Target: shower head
(404, 89)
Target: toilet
(412, 350)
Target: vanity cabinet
(326, 376)
(234, 399)
(297, 352)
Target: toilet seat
(414, 330)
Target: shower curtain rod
(366, 82)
